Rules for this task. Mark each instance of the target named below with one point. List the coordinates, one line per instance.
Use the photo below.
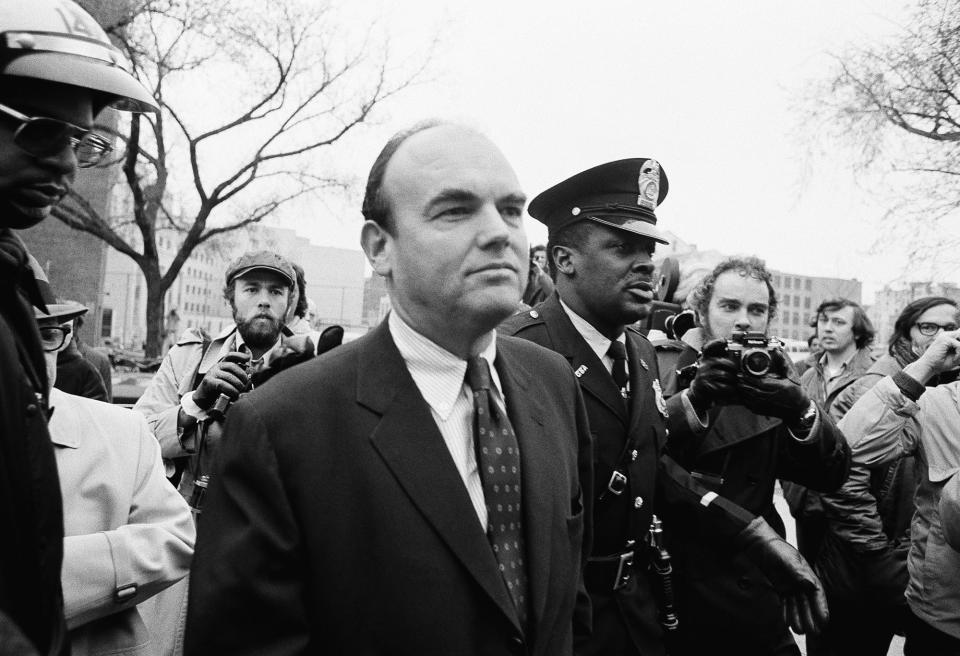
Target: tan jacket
(128, 533)
(883, 425)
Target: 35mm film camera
(751, 352)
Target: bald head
(450, 237)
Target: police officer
(602, 234)
(57, 71)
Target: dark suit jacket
(337, 522)
(629, 617)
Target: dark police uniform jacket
(625, 621)
(726, 601)
(339, 524)
(31, 514)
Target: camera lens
(756, 362)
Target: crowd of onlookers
(510, 463)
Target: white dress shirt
(595, 340)
(440, 377)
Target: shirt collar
(839, 370)
(239, 345)
(438, 373)
(597, 342)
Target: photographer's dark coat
(339, 524)
(726, 602)
(625, 621)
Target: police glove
(716, 379)
(804, 602)
(773, 394)
(228, 377)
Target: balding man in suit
(419, 490)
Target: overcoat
(726, 599)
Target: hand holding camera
(716, 379)
(228, 377)
(773, 394)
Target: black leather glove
(716, 379)
(804, 602)
(773, 394)
(228, 377)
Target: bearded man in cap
(58, 69)
(602, 234)
(199, 372)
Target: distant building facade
(334, 281)
(798, 294)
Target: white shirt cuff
(694, 421)
(191, 408)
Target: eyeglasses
(926, 328)
(53, 337)
(42, 137)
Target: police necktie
(498, 460)
(618, 353)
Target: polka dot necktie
(498, 460)
(618, 353)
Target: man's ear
(563, 260)
(377, 245)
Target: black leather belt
(610, 573)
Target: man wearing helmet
(57, 71)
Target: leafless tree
(250, 93)
(896, 106)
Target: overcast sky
(710, 89)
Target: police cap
(262, 260)
(622, 194)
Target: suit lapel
(408, 440)
(526, 416)
(587, 367)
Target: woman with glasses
(864, 562)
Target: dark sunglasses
(927, 329)
(53, 337)
(42, 137)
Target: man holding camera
(199, 377)
(743, 422)
(602, 233)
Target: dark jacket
(836, 401)
(725, 600)
(102, 363)
(806, 505)
(78, 376)
(864, 556)
(339, 524)
(31, 550)
(632, 441)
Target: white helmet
(58, 41)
